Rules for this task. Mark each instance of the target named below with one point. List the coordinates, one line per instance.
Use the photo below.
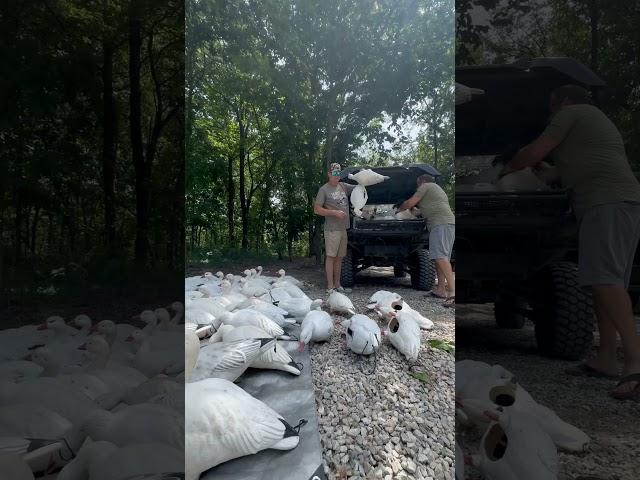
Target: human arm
(410, 203)
(325, 212)
(540, 148)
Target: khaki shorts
(335, 243)
(607, 244)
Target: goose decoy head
(82, 321)
(54, 322)
(247, 273)
(177, 307)
(148, 317)
(219, 275)
(281, 272)
(162, 314)
(259, 270)
(207, 275)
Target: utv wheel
(563, 313)
(398, 270)
(507, 314)
(347, 273)
(423, 271)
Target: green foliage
(277, 89)
(444, 345)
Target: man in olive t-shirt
(434, 206)
(589, 154)
(332, 202)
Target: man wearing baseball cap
(332, 202)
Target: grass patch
(421, 376)
(442, 345)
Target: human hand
(339, 214)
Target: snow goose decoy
(226, 360)
(404, 334)
(276, 358)
(367, 177)
(359, 199)
(252, 317)
(507, 394)
(283, 277)
(515, 446)
(299, 307)
(317, 326)
(274, 313)
(340, 303)
(400, 305)
(239, 425)
(363, 334)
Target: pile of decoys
(237, 322)
(520, 438)
(85, 399)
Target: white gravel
(386, 425)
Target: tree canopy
(278, 89)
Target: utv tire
(398, 270)
(423, 271)
(347, 273)
(507, 315)
(563, 313)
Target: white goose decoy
(400, 305)
(515, 446)
(83, 323)
(359, 199)
(521, 180)
(404, 334)
(492, 391)
(19, 370)
(253, 279)
(363, 334)
(143, 423)
(105, 461)
(276, 314)
(283, 277)
(277, 296)
(367, 177)
(276, 358)
(405, 215)
(266, 278)
(340, 303)
(292, 290)
(250, 289)
(115, 375)
(226, 360)
(31, 420)
(152, 361)
(239, 425)
(317, 326)
(382, 297)
(252, 317)
(178, 310)
(209, 305)
(88, 384)
(299, 307)
(200, 317)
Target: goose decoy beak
(301, 346)
(42, 326)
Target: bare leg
(447, 272)
(337, 268)
(441, 287)
(614, 303)
(328, 266)
(605, 359)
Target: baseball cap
(335, 169)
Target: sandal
(633, 394)
(437, 295)
(586, 370)
(450, 302)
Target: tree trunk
(135, 115)
(594, 13)
(109, 135)
(243, 196)
(34, 230)
(317, 243)
(230, 201)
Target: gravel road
(386, 425)
(612, 425)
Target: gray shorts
(441, 238)
(608, 239)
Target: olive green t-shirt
(591, 159)
(434, 205)
(335, 198)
